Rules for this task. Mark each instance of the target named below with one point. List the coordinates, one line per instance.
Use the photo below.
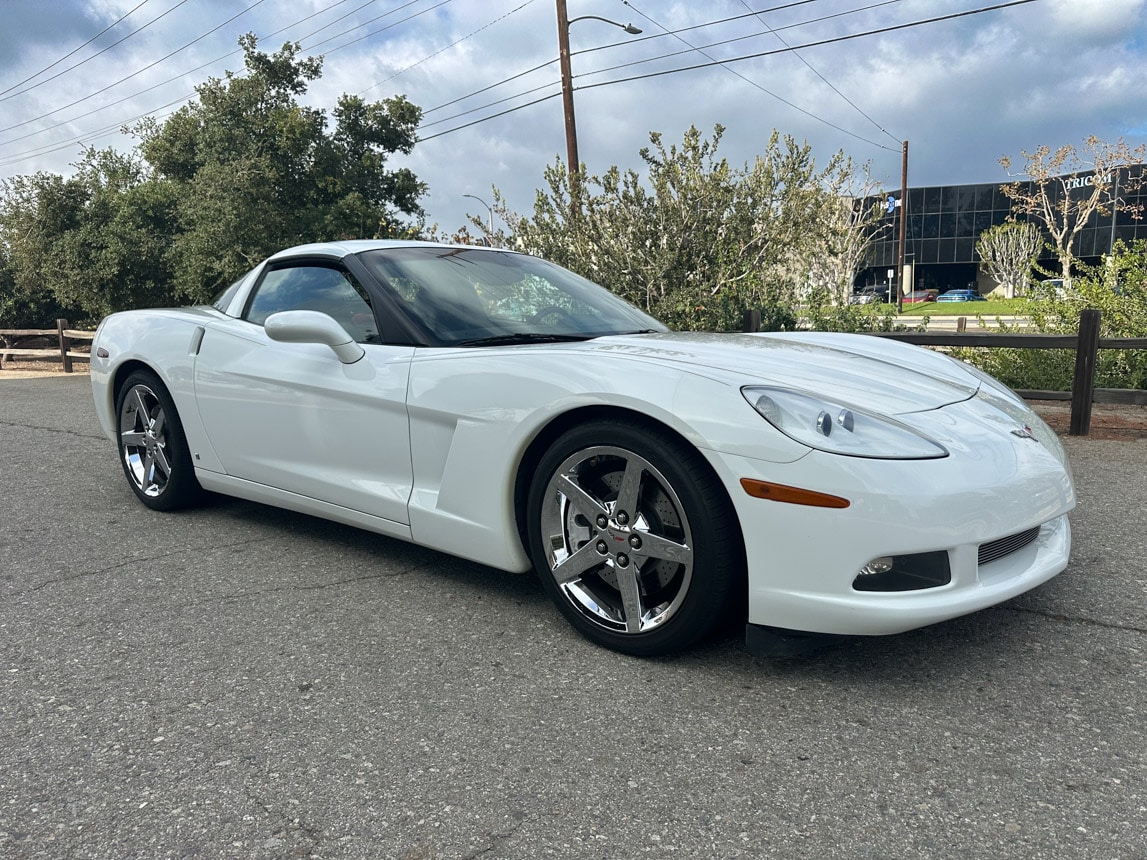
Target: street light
(567, 78)
(488, 209)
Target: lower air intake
(1005, 546)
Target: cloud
(963, 92)
(1093, 20)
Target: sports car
(492, 405)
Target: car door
(292, 415)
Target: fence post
(1083, 385)
(65, 359)
(961, 325)
(751, 321)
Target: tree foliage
(695, 242)
(231, 177)
(1118, 290)
(98, 240)
(1056, 197)
(1008, 252)
(854, 220)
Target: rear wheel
(153, 450)
(634, 538)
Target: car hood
(860, 370)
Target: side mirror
(313, 327)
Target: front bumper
(803, 561)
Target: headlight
(839, 428)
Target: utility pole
(572, 161)
(567, 80)
(903, 225)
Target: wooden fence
(69, 344)
(1083, 395)
(1086, 343)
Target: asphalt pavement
(242, 682)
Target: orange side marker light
(792, 495)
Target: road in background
(243, 682)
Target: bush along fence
(1086, 343)
(70, 345)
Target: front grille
(997, 549)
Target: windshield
(477, 296)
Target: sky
(858, 76)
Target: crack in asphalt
(312, 833)
(1086, 622)
(494, 841)
(142, 559)
(52, 430)
(319, 586)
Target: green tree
(853, 219)
(697, 241)
(20, 309)
(1008, 252)
(1118, 290)
(231, 177)
(97, 241)
(256, 171)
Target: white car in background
(494, 406)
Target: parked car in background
(960, 296)
(1052, 288)
(869, 295)
(919, 296)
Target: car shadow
(934, 654)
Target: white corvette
(494, 406)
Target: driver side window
(330, 290)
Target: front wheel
(634, 538)
(153, 450)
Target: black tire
(648, 581)
(152, 447)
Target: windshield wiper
(524, 337)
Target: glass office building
(944, 222)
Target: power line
(371, 21)
(630, 42)
(492, 116)
(47, 68)
(448, 47)
(490, 104)
(757, 85)
(822, 77)
(98, 53)
(820, 43)
(137, 71)
(95, 134)
(490, 87)
(723, 42)
(103, 131)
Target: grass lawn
(989, 309)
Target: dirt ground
(1108, 421)
(31, 368)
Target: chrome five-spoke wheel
(618, 542)
(633, 538)
(143, 440)
(153, 451)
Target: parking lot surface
(242, 682)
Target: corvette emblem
(1025, 432)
